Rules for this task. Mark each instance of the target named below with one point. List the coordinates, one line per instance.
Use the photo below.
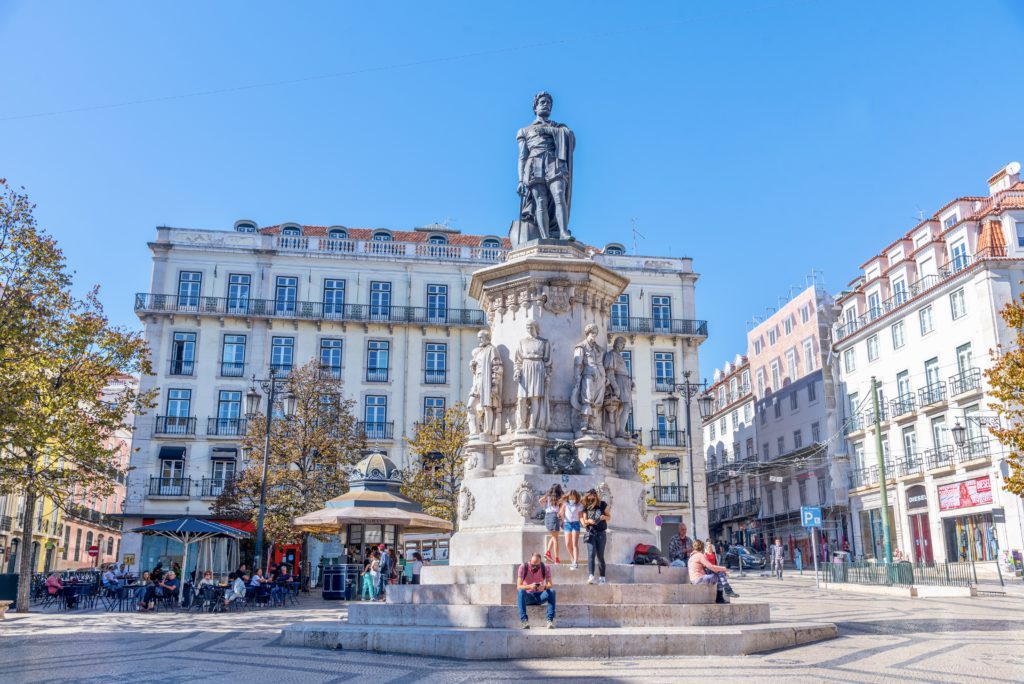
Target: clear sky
(764, 139)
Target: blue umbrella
(189, 531)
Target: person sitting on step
(703, 571)
(535, 589)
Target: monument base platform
(538, 642)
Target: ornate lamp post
(705, 404)
(272, 387)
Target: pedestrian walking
(552, 503)
(572, 507)
(777, 558)
(596, 514)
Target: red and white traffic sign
(94, 551)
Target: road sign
(775, 478)
(129, 559)
(810, 516)
(94, 551)
(658, 521)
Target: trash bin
(333, 587)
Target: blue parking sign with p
(810, 516)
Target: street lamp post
(271, 388)
(705, 405)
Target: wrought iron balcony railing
(175, 425)
(374, 431)
(968, 380)
(672, 494)
(668, 438)
(226, 427)
(932, 394)
(170, 486)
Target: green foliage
(1006, 377)
(434, 478)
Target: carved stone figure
(562, 459)
(532, 370)
(484, 405)
(545, 171)
(467, 502)
(589, 388)
(619, 395)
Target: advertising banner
(976, 492)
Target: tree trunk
(25, 551)
(306, 569)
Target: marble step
(567, 594)
(560, 574)
(563, 642)
(609, 615)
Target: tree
(646, 468)
(57, 354)
(1006, 377)
(310, 455)
(434, 478)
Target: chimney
(1005, 178)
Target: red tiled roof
(399, 235)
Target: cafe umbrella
(189, 531)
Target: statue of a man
(532, 368)
(483, 399)
(588, 391)
(545, 171)
(619, 399)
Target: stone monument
(562, 419)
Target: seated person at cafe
(237, 590)
(111, 582)
(168, 585)
(281, 582)
(54, 587)
(207, 580)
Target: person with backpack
(595, 517)
(387, 569)
(535, 589)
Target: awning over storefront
(175, 453)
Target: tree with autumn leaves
(311, 453)
(1006, 378)
(434, 477)
(58, 353)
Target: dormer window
(245, 227)
(615, 249)
(337, 234)
(437, 240)
(383, 236)
(491, 243)
(950, 220)
(291, 230)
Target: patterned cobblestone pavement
(882, 639)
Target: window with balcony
(957, 304)
(375, 416)
(221, 472)
(898, 336)
(627, 356)
(183, 353)
(229, 413)
(873, 348)
(435, 364)
(910, 447)
(232, 356)
(620, 313)
(437, 303)
(925, 318)
(874, 306)
(378, 354)
(959, 259)
(334, 297)
(282, 354)
(178, 420)
(171, 481)
(286, 294)
(433, 408)
(661, 312)
(664, 371)
(189, 286)
(380, 301)
(239, 285)
(330, 356)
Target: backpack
(646, 554)
(543, 570)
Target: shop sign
(999, 515)
(917, 497)
(976, 492)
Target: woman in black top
(595, 517)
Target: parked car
(751, 559)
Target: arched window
(382, 236)
(437, 240)
(337, 234)
(110, 546)
(88, 541)
(245, 227)
(291, 230)
(491, 243)
(614, 248)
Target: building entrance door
(922, 538)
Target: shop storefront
(970, 536)
(872, 540)
(919, 525)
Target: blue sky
(763, 139)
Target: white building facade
(922, 320)
(386, 311)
